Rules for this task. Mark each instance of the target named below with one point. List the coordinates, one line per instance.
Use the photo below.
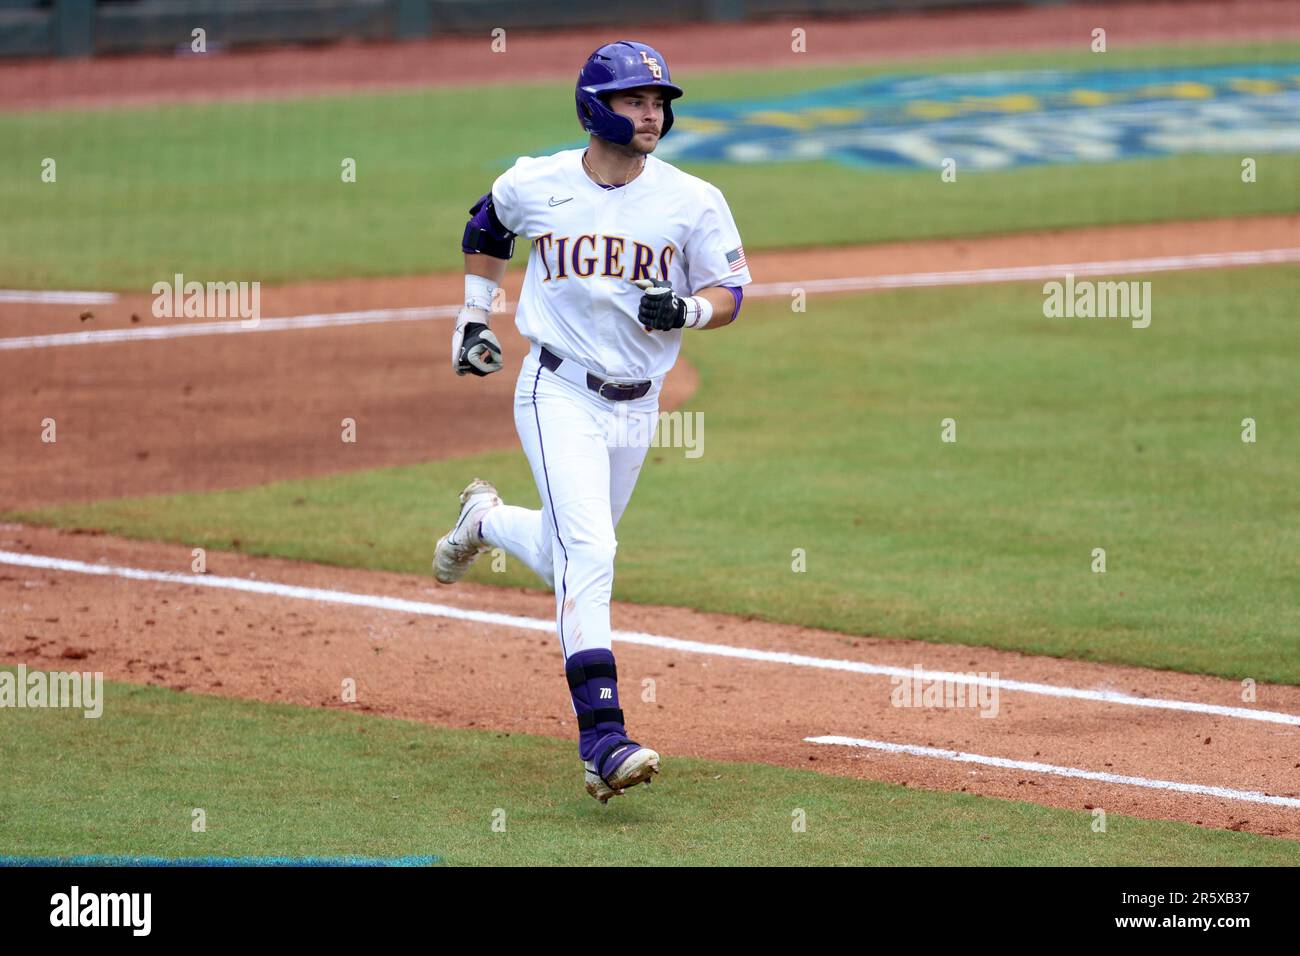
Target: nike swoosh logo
(552, 201)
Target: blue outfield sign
(1003, 119)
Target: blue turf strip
(94, 860)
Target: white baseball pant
(586, 453)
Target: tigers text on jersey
(589, 244)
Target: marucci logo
(103, 909)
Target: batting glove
(662, 310)
(474, 347)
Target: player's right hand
(474, 347)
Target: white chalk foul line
(1250, 796)
(1023, 273)
(429, 609)
(57, 298)
(912, 280)
(316, 321)
(907, 280)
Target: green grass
(253, 190)
(822, 432)
(279, 780)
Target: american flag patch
(736, 259)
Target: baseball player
(627, 253)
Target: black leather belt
(614, 391)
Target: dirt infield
(469, 61)
(197, 414)
(203, 640)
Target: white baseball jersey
(590, 243)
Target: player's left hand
(662, 310)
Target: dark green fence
(87, 27)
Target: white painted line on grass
(405, 606)
(907, 280)
(316, 321)
(49, 297)
(914, 280)
(1250, 796)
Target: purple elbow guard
(484, 232)
(738, 294)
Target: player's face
(645, 108)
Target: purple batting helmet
(625, 65)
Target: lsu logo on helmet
(655, 70)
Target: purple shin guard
(593, 682)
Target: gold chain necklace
(593, 172)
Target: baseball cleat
(457, 549)
(640, 767)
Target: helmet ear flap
(597, 118)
